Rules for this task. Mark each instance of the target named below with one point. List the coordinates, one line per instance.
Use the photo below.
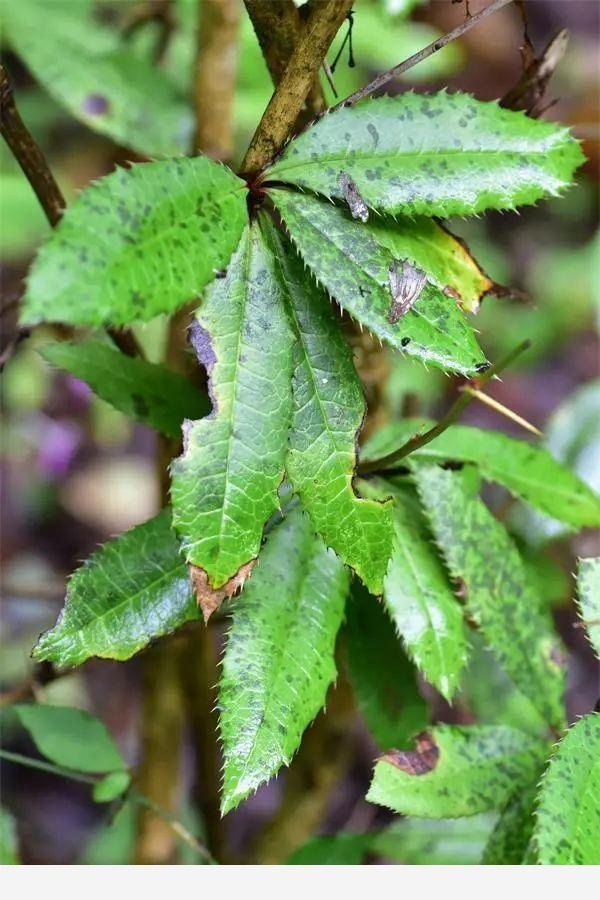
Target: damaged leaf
(435, 155)
(136, 243)
(210, 599)
(567, 829)
(328, 411)
(456, 771)
(279, 660)
(498, 596)
(134, 589)
(224, 486)
(348, 260)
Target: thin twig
(284, 107)
(419, 440)
(416, 58)
(529, 91)
(28, 154)
(503, 410)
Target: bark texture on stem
(161, 735)
(216, 68)
(278, 120)
(28, 154)
(278, 27)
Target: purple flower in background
(78, 389)
(59, 444)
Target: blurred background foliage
(75, 471)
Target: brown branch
(416, 58)
(324, 20)
(419, 440)
(216, 66)
(278, 27)
(28, 154)
(529, 91)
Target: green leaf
(328, 411)
(479, 551)
(111, 787)
(279, 659)
(343, 849)
(79, 63)
(382, 678)
(588, 586)
(456, 771)
(347, 258)
(113, 844)
(435, 155)
(491, 695)
(420, 599)
(134, 589)
(144, 391)
(567, 830)
(224, 486)
(524, 469)
(435, 842)
(9, 844)
(510, 838)
(572, 436)
(139, 242)
(70, 737)
(436, 251)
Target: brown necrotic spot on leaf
(210, 599)
(419, 761)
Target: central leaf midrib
(127, 600)
(273, 672)
(234, 389)
(341, 156)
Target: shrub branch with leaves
(266, 502)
